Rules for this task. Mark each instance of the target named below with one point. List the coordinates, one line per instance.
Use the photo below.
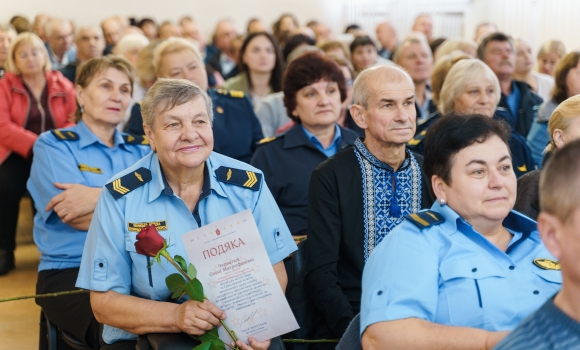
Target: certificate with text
(237, 276)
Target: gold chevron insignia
(251, 179)
(523, 168)
(419, 220)
(145, 140)
(413, 142)
(119, 188)
(130, 138)
(59, 133)
(229, 175)
(431, 215)
(138, 176)
(71, 134)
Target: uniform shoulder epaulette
(129, 182)
(139, 102)
(243, 178)
(231, 93)
(65, 135)
(417, 139)
(266, 140)
(136, 139)
(424, 219)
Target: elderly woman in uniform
(461, 275)
(471, 87)
(183, 187)
(69, 169)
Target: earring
(82, 109)
(443, 201)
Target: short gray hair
(166, 94)
(5, 27)
(409, 41)
(88, 27)
(461, 74)
(129, 41)
(49, 25)
(172, 45)
(361, 91)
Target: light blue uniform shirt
(452, 275)
(330, 150)
(86, 161)
(110, 261)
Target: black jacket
(527, 112)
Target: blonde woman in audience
(450, 45)
(540, 83)
(563, 128)
(549, 55)
(334, 48)
(70, 168)
(7, 34)
(261, 68)
(130, 45)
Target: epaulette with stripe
(424, 219)
(231, 93)
(129, 182)
(417, 139)
(242, 178)
(136, 139)
(65, 135)
(266, 140)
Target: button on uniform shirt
(110, 261)
(452, 275)
(86, 161)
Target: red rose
(149, 241)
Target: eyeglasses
(349, 82)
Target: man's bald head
(424, 24)
(374, 77)
(112, 30)
(387, 35)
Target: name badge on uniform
(547, 264)
(137, 226)
(84, 167)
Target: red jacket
(14, 111)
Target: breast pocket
(477, 292)
(548, 282)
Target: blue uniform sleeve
(401, 278)
(538, 139)
(273, 229)
(53, 162)
(106, 263)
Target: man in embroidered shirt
(360, 194)
(556, 325)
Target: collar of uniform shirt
(332, 148)
(87, 137)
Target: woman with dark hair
(283, 27)
(261, 68)
(314, 89)
(463, 274)
(567, 84)
(364, 53)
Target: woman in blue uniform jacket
(70, 168)
(314, 89)
(236, 128)
(463, 274)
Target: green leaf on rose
(210, 335)
(176, 284)
(194, 290)
(191, 271)
(181, 262)
(217, 344)
(203, 346)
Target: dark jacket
(213, 64)
(287, 162)
(236, 129)
(70, 71)
(527, 200)
(527, 112)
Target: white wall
(535, 20)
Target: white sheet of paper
(235, 271)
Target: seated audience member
(112, 31)
(363, 53)
(314, 89)
(358, 196)
(282, 28)
(70, 168)
(566, 85)
(21, 24)
(472, 88)
(556, 325)
(149, 28)
(322, 32)
(7, 34)
(294, 42)
(540, 83)
(415, 56)
(482, 30)
(60, 43)
(191, 30)
(26, 111)
(222, 61)
(168, 30)
(271, 111)
(387, 37)
(549, 55)
(450, 45)
(90, 44)
(438, 76)
(352, 29)
(424, 24)
(563, 128)
(517, 99)
(260, 68)
(130, 45)
(236, 129)
(236, 48)
(38, 25)
(461, 275)
(255, 25)
(181, 184)
(335, 49)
